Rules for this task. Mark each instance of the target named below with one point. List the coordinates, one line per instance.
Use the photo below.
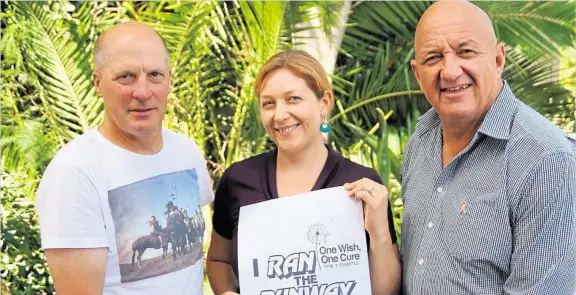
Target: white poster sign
(308, 244)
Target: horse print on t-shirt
(158, 224)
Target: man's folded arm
(544, 234)
(72, 229)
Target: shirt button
(430, 224)
(439, 189)
(421, 261)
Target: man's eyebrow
(465, 42)
(430, 51)
(155, 69)
(429, 47)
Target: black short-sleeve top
(254, 180)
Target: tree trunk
(314, 41)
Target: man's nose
(142, 89)
(451, 69)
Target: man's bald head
(458, 62)
(447, 13)
(132, 76)
(126, 33)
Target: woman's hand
(375, 202)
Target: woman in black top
(295, 98)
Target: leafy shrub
(24, 269)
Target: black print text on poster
(302, 268)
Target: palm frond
(533, 26)
(27, 149)
(259, 25)
(383, 85)
(61, 64)
(300, 16)
(536, 81)
(375, 24)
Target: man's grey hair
(100, 54)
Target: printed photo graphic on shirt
(313, 243)
(158, 225)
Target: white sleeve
(204, 180)
(206, 192)
(69, 209)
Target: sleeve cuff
(56, 243)
(207, 199)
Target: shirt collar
(498, 121)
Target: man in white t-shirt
(102, 200)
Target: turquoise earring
(325, 126)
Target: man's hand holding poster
(308, 244)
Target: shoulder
(355, 171)
(424, 131)
(179, 140)
(426, 123)
(78, 153)
(247, 167)
(535, 147)
(74, 168)
(180, 147)
(534, 137)
(241, 177)
(411, 146)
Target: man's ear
(500, 57)
(169, 79)
(97, 78)
(415, 70)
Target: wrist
(380, 237)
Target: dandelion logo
(317, 234)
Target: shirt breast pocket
(476, 228)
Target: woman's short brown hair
(300, 64)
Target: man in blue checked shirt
(489, 185)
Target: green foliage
(24, 268)
(27, 149)
(59, 61)
(381, 148)
(527, 25)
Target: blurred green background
(216, 51)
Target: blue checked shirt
(500, 217)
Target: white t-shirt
(97, 194)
